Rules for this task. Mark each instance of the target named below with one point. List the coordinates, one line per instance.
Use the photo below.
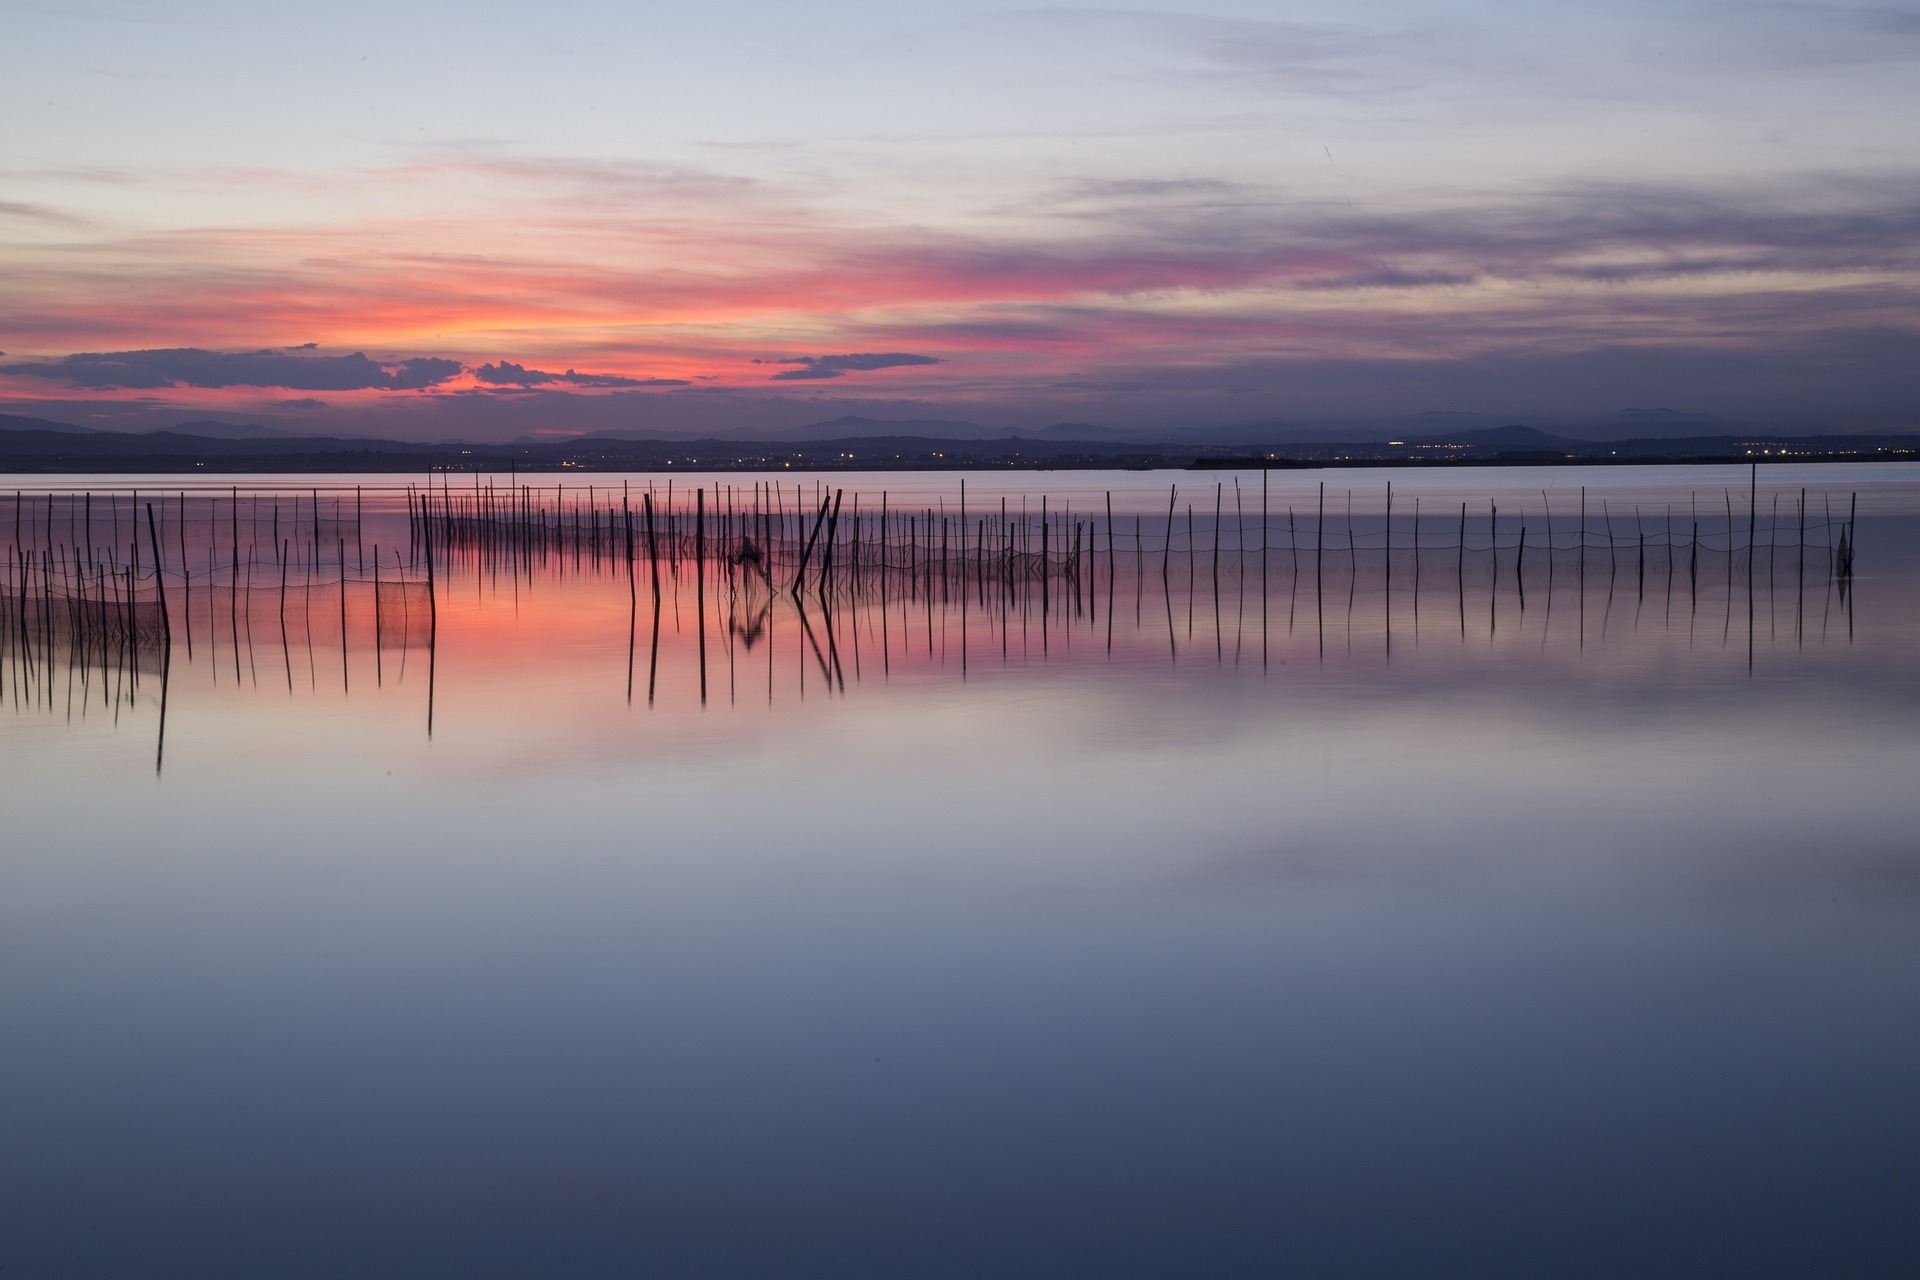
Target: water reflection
(759, 591)
(595, 879)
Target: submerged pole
(159, 577)
(700, 579)
(1166, 557)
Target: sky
(485, 221)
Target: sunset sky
(484, 220)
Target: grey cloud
(190, 366)
(1317, 54)
(581, 183)
(508, 374)
(423, 371)
(1593, 231)
(39, 213)
(816, 368)
(1310, 52)
(1809, 35)
(1662, 232)
(1267, 55)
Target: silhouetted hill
(15, 422)
(55, 448)
(1087, 431)
(211, 430)
(1510, 437)
(851, 427)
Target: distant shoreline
(50, 449)
(391, 465)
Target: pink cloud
(663, 278)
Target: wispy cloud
(1148, 282)
(41, 213)
(192, 367)
(508, 374)
(815, 368)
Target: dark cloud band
(814, 368)
(508, 374)
(192, 367)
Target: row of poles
(791, 544)
(762, 540)
(87, 589)
(100, 558)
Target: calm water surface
(1281, 900)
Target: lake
(1136, 873)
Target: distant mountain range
(1512, 436)
(237, 431)
(204, 428)
(853, 427)
(14, 422)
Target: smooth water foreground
(1322, 909)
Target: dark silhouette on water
(80, 598)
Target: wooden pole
(700, 579)
(159, 576)
(806, 553)
(186, 577)
(833, 525)
(343, 615)
(1218, 494)
(653, 546)
(1320, 539)
(1109, 554)
(1166, 556)
(379, 672)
